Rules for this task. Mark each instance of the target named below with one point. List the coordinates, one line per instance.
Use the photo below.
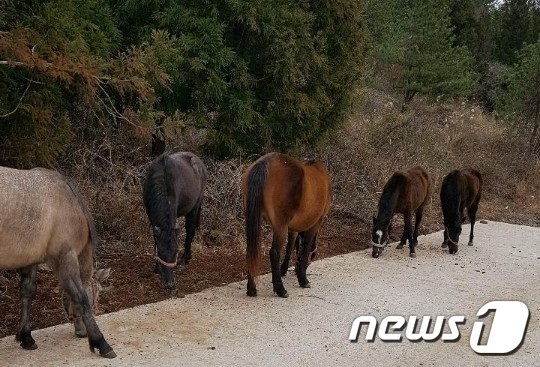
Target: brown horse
(460, 191)
(406, 193)
(43, 219)
(291, 195)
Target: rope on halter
(164, 263)
(379, 245)
(451, 241)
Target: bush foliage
(248, 76)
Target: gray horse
(173, 188)
(43, 219)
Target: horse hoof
(81, 335)
(307, 285)
(470, 243)
(110, 354)
(444, 245)
(283, 294)
(375, 255)
(284, 272)
(400, 246)
(32, 346)
(412, 254)
(251, 293)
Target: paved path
(223, 327)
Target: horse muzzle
(377, 249)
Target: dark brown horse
(173, 188)
(291, 195)
(460, 191)
(44, 219)
(405, 193)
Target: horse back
(415, 189)
(186, 180)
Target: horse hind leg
(27, 292)
(291, 240)
(280, 235)
(445, 238)
(72, 284)
(418, 220)
(472, 217)
(409, 233)
(402, 241)
(192, 222)
(304, 253)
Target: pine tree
(516, 25)
(520, 102)
(433, 65)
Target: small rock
(483, 221)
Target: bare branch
(18, 104)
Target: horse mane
(156, 191)
(450, 196)
(390, 196)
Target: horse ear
(102, 275)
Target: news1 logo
(508, 328)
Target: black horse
(173, 188)
(460, 191)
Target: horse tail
(89, 219)
(255, 184)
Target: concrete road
(223, 327)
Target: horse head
(453, 231)
(166, 254)
(94, 287)
(379, 236)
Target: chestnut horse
(291, 195)
(44, 219)
(406, 193)
(460, 191)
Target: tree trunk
(158, 139)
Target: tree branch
(18, 104)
